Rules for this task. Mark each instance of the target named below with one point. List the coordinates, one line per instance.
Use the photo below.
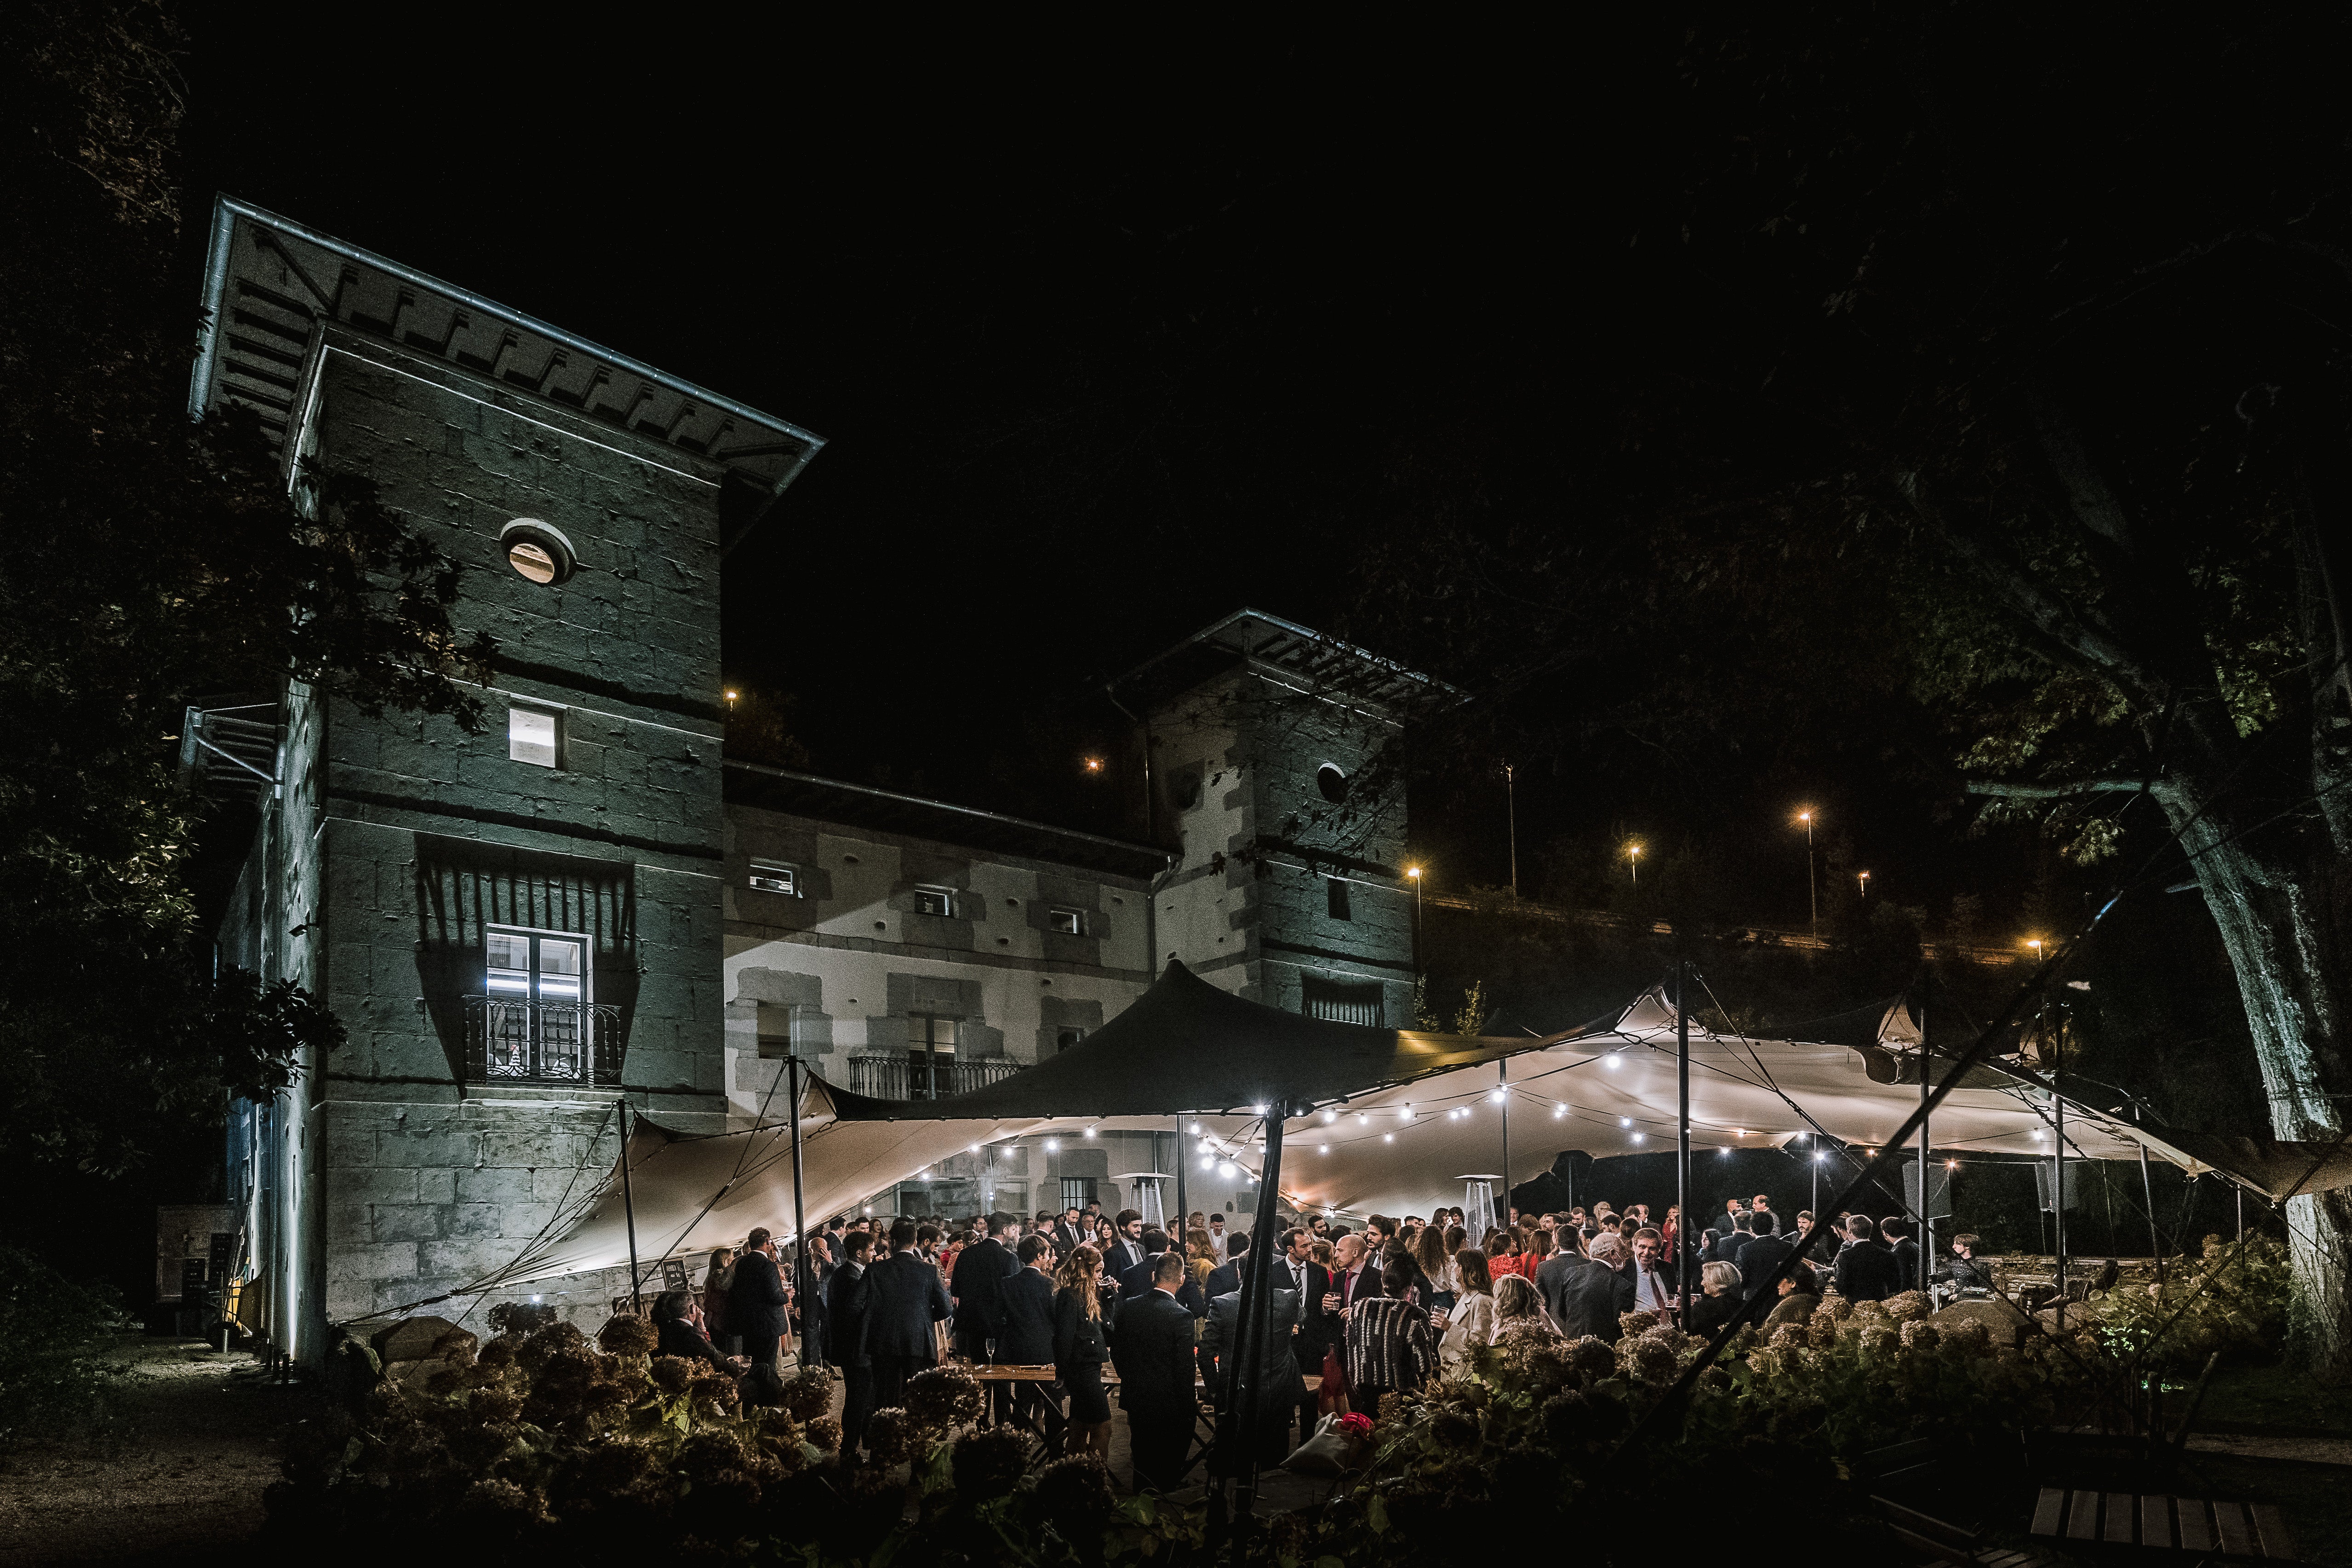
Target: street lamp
(1812, 892)
(1415, 873)
(1634, 858)
(1863, 879)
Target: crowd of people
(1107, 1300)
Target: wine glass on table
(990, 1344)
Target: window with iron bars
(534, 1020)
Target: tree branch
(2050, 792)
(2042, 609)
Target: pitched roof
(271, 281)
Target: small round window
(1332, 782)
(536, 552)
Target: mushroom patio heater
(1145, 1187)
(1478, 1203)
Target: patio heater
(1478, 1203)
(1145, 1187)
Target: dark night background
(1109, 339)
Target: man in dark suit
(1067, 1236)
(1585, 1297)
(1151, 1345)
(1310, 1281)
(1280, 1386)
(1865, 1269)
(1895, 1233)
(905, 1298)
(1729, 1249)
(847, 1298)
(1027, 1340)
(1128, 1250)
(755, 1301)
(1758, 1260)
(1136, 1278)
(981, 1271)
(1227, 1276)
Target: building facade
(588, 902)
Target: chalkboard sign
(673, 1273)
(192, 1279)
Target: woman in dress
(715, 1281)
(1437, 1268)
(1080, 1349)
(1471, 1322)
(1390, 1347)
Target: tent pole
(2147, 1191)
(1682, 1140)
(629, 1208)
(2058, 1166)
(1240, 1425)
(800, 1212)
(1926, 1204)
(1502, 1076)
(1184, 1208)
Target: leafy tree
(1996, 421)
(144, 560)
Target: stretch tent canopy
(1395, 1116)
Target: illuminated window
(935, 901)
(771, 878)
(931, 1056)
(537, 553)
(533, 736)
(1068, 922)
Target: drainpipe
(1150, 835)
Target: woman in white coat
(1471, 1322)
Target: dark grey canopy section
(1185, 1046)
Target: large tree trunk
(2279, 929)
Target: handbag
(1330, 1452)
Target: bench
(2162, 1524)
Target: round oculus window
(538, 553)
(1332, 782)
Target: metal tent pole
(1240, 1423)
(1682, 1137)
(2058, 1166)
(629, 1209)
(1927, 1205)
(1502, 1076)
(2147, 1191)
(1183, 1205)
(801, 1282)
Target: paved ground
(179, 1481)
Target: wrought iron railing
(512, 1039)
(888, 1075)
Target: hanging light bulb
(1406, 1114)
(1612, 1059)
(1495, 1095)
(1053, 1145)
(1624, 1122)
(1324, 1148)
(1328, 1116)
(1388, 1137)
(1637, 1137)
(1196, 1127)
(1226, 1169)
(1558, 1112)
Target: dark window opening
(1067, 922)
(930, 1055)
(935, 901)
(1077, 1191)
(1065, 1037)
(1335, 899)
(773, 878)
(1332, 782)
(1341, 1001)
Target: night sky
(1104, 347)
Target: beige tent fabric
(1613, 1092)
(1396, 1150)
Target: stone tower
(1289, 890)
(521, 926)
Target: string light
(1558, 1112)
(1090, 1132)
(1495, 1095)
(1196, 1127)
(1324, 1148)
(1624, 1122)
(1328, 1116)
(1406, 1114)
(1388, 1137)
(1637, 1137)
(1053, 1145)
(1612, 1059)
(1226, 1169)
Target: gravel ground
(179, 1477)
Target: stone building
(588, 901)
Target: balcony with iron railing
(518, 1041)
(904, 1075)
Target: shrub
(54, 1377)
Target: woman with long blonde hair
(1080, 1348)
(1518, 1305)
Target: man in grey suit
(1585, 1297)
